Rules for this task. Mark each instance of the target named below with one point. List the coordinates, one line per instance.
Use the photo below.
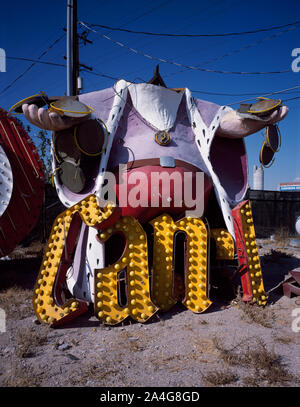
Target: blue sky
(29, 28)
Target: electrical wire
(34, 62)
(245, 47)
(194, 13)
(101, 75)
(191, 35)
(297, 97)
(195, 68)
(211, 9)
(243, 94)
(130, 82)
(160, 5)
(202, 14)
(265, 94)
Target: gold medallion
(163, 138)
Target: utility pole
(74, 82)
(72, 48)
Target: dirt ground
(231, 344)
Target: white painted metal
(82, 286)
(112, 126)
(297, 225)
(204, 136)
(156, 104)
(6, 181)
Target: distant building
(289, 186)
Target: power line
(106, 27)
(166, 61)
(245, 94)
(297, 97)
(265, 94)
(101, 75)
(160, 5)
(34, 62)
(245, 47)
(113, 78)
(211, 9)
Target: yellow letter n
(196, 281)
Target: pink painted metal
(292, 284)
(26, 201)
(242, 253)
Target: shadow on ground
(20, 273)
(275, 269)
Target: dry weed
(227, 355)
(282, 236)
(28, 341)
(171, 363)
(220, 378)
(206, 348)
(266, 365)
(22, 376)
(254, 313)
(251, 381)
(100, 373)
(284, 339)
(16, 302)
(35, 249)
